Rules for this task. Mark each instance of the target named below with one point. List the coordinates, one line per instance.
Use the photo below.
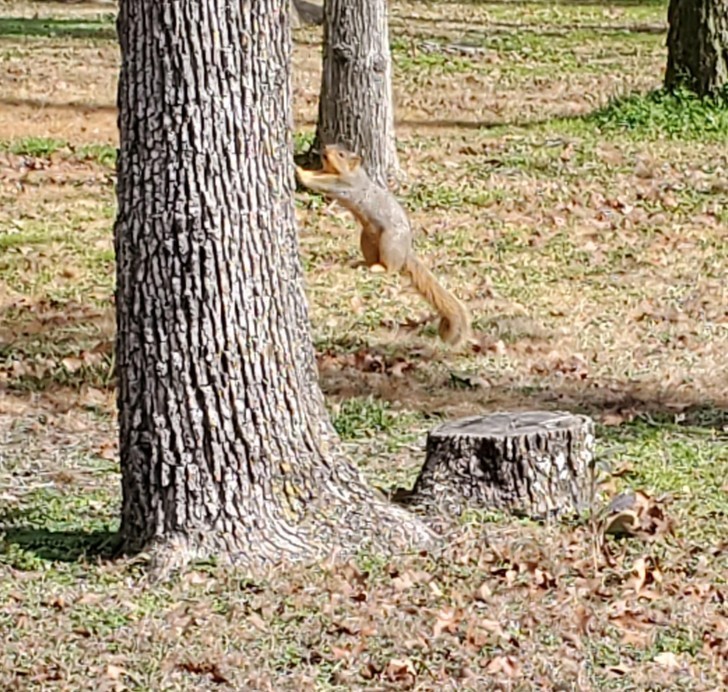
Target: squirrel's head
(337, 159)
(337, 163)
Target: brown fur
(386, 238)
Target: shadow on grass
(48, 27)
(86, 107)
(348, 377)
(60, 546)
(565, 3)
(82, 106)
(495, 28)
(659, 113)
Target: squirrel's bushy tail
(454, 318)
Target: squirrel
(386, 237)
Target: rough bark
(356, 107)
(535, 463)
(697, 45)
(226, 448)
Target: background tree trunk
(697, 45)
(226, 448)
(305, 12)
(356, 107)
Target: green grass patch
(101, 27)
(37, 147)
(21, 239)
(302, 141)
(104, 154)
(45, 147)
(664, 114)
(359, 418)
(687, 462)
(407, 57)
(429, 197)
(60, 524)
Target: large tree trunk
(226, 448)
(356, 107)
(697, 45)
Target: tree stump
(532, 463)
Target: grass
(45, 147)
(687, 462)
(41, 147)
(101, 27)
(676, 115)
(579, 211)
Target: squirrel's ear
(356, 160)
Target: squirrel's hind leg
(369, 248)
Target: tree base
(333, 525)
(534, 463)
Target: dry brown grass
(595, 265)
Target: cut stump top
(509, 424)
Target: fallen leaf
(483, 593)
(447, 621)
(340, 652)
(507, 665)
(114, 672)
(622, 524)
(72, 364)
(256, 621)
(401, 670)
(109, 451)
(667, 659)
(204, 668)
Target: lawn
(583, 220)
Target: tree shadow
(389, 373)
(572, 3)
(439, 124)
(49, 27)
(61, 105)
(502, 28)
(301, 159)
(67, 346)
(595, 116)
(61, 546)
(19, 530)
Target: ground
(589, 238)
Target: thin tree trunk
(697, 45)
(226, 448)
(356, 107)
(305, 12)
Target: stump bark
(533, 463)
